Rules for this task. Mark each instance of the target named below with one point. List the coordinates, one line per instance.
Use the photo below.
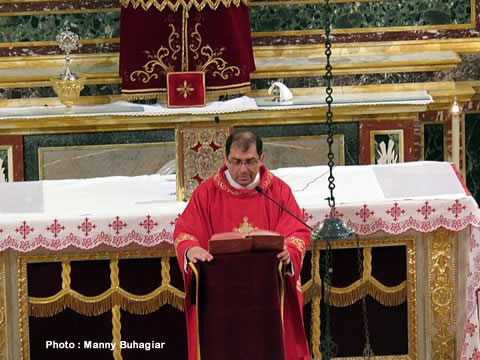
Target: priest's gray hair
(242, 140)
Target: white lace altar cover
(117, 211)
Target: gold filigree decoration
(185, 4)
(218, 179)
(442, 294)
(184, 237)
(298, 243)
(115, 295)
(245, 227)
(194, 160)
(213, 60)
(185, 89)
(268, 179)
(150, 69)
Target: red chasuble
(216, 207)
(162, 36)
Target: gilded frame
(410, 244)
(399, 146)
(337, 137)
(9, 150)
(111, 147)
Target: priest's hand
(284, 256)
(198, 253)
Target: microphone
(259, 190)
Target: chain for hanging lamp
(332, 228)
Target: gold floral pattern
(442, 287)
(218, 179)
(185, 89)
(150, 69)
(183, 237)
(298, 243)
(212, 60)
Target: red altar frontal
(97, 254)
(161, 37)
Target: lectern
(239, 302)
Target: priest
(231, 193)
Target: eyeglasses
(248, 163)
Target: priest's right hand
(198, 253)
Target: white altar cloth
(244, 103)
(117, 211)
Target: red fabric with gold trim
(215, 207)
(186, 89)
(153, 43)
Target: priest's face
(244, 165)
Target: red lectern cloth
(156, 40)
(239, 307)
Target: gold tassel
(96, 305)
(387, 296)
(240, 90)
(342, 299)
(134, 97)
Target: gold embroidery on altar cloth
(245, 227)
(209, 60)
(150, 71)
(174, 5)
(214, 58)
(185, 89)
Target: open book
(255, 240)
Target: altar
(70, 252)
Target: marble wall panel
(100, 20)
(378, 129)
(94, 160)
(433, 141)
(472, 152)
(48, 92)
(313, 150)
(348, 15)
(82, 162)
(301, 151)
(44, 24)
(45, 27)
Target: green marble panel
(472, 152)
(46, 27)
(104, 25)
(433, 144)
(360, 15)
